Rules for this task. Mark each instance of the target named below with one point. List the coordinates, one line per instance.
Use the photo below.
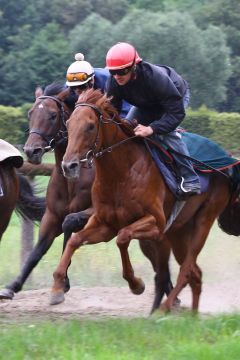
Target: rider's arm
(170, 104)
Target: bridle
(53, 139)
(94, 152)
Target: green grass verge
(168, 338)
(100, 265)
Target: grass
(100, 264)
(168, 338)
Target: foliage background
(200, 39)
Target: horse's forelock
(95, 97)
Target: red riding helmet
(122, 55)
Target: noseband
(61, 134)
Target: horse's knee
(123, 237)
(75, 241)
(74, 222)
(69, 223)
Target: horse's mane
(103, 103)
(56, 88)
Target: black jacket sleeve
(169, 102)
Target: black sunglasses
(121, 72)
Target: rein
(61, 134)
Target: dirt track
(219, 260)
(111, 301)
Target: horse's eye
(53, 116)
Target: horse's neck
(61, 145)
(59, 152)
(123, 153)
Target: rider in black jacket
(159, 97)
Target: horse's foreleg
(143, 229)
(50, 228)
(76, 221)
(72, 223)
(94, 233)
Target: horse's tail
(29, 205)
(229, 219)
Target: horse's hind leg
(199, 228)
(158, 253)
(195, 283)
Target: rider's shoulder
(150, 70)
(101, 72)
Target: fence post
(27, 235)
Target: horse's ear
(38, 91)
(63, 94)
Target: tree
(93, 44)
(175, 40)
(226, 15)
(150, 5)
(12, 124)
(9, 22)
(42, 60)
(112, 10)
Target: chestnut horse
(132, 201)
(16, 193)
(47, 129)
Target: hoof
(57, 298)
(177, 303)
(139, 289)
(66, 287)
(164, 308)
(6, 294)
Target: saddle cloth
(205, 151)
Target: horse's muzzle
(34, 155)
(71, 169)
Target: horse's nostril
(73, 166)
(37, 151)
(32, 151)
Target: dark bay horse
(132, 201)
(17, 194)
(47, 129)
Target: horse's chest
(121, 213)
